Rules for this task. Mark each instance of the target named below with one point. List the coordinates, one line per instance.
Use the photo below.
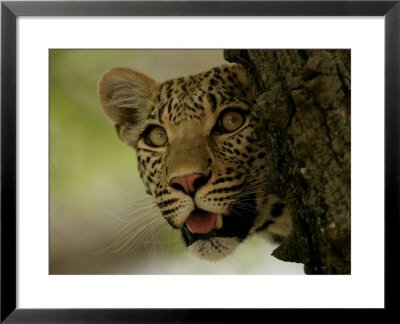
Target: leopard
(197, 155)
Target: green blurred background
(101, 221)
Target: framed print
(184, 85)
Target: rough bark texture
(303, 103)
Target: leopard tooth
(190, 229)
(219, 222)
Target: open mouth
(203, 222)
(202, 225)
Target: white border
(364, 288)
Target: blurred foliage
(82, 140)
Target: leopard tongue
(201, 222)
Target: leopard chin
(214, 248)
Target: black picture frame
(390, 10)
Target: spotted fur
(188, 109)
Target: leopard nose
(190, 183)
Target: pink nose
(188, 184)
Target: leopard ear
(125, 96)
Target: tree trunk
(303, 103)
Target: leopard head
(196, 152)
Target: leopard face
(197, 154)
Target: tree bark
(303, 104)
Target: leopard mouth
(203, 225)
(203, 222)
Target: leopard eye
(156, 137)
(231, 121)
